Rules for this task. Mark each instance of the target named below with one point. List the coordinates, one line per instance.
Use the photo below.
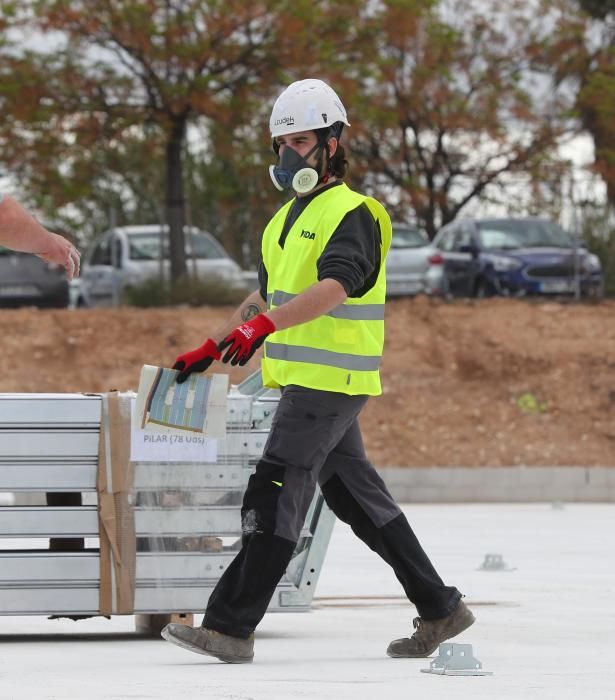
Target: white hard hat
(306, 105)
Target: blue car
(516, 257)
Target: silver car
(414, 265)
(126, 256)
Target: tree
(596, 106)
(449, 109)
(439, 102)
(580, 56)
(600, 9)
(596, 96)
(91, 118)
(137, 63)
(73, 169)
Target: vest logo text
(308, 234)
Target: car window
(447, 241)
(101, 255)
(496, 238)
(204, 246)
(146, 246)
(408, 238)
(524, 233)
(463, 238)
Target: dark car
(516, 257)
(26, 280)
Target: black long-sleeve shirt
(352, 255)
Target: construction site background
(494, 382)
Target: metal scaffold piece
(456, 660)
(185, 516)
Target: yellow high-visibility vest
(341, 350)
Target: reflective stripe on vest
(359, 312)
(298, 353)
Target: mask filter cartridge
(305, 180)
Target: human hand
(62, 252)
(246, 339)
(197, 360)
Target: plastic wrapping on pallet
(185, 515)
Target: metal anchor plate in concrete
(495, 562)
(456, 660)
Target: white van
(126, 256)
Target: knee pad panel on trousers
(260, 501)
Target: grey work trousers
(315, 437)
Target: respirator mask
(293, 171)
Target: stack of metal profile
(187, 515)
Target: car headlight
(504, 264)
(591, 263)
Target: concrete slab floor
(546, 629)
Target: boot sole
(467, 620)
(227, 659)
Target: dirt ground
(493, 382)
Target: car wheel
(483, 290)
(596, 293)
(445, 290)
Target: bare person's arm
(310, 304)
(20, 231)
(250, 307)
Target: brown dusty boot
(231, 650)
(430, 633)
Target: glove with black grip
(196, 360)
(243, 342)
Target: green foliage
(158, 111)
(100, 124)
(596, 105)
(447, 113)
(528, 403)
(599, 236)
(599, 9)
(155, 292)
(129, 70)
(604, 248)
(581, 56)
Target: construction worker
(20, 231)
(320, 315)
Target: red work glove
(196, 360)
(246, 339)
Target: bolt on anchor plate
(495, 562)
(456, 660)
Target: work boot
(430, 633)
(231, 650)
